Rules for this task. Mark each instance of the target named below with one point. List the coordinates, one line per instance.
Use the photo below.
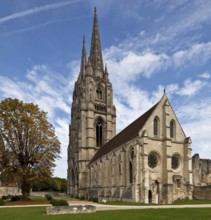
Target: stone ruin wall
(201, 177)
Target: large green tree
(28, 144)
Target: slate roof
(127, 134)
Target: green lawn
(191, 202)
(38, 213)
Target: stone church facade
(149, 161)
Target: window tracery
(153, 160)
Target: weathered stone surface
(202, 192)
(58, 210)
(201, 171)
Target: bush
(82, 197)
(94, 199)
(72, 196)
(48, 197)
(60, 202)
(1, 202)
(16, 198)
(5, 197)
(76, 196)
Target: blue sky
(148, 45)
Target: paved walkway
(105, 207)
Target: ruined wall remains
(201, 171)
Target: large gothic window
(172, 129)
(99, 132)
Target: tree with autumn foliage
(28, 144)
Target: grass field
(38, 213)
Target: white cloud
(197, 54)
(36, 10)
(62, 131)
(52, 93)
(10, 88)
(205, 75)
(191, 88)
(195, 117)
(129, 64)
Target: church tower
(93, 115)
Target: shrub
(5, 197)
(16, 198)
(76, 196)
(60, 202)
(72, 196)
(1, 202)
(48, 197)
(82, 197)
(94, 199)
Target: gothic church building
(149, 161)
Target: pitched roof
(130, 132)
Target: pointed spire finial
(95, 50)
(84, 40)
(106, 70)
(83, 56)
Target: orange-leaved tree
(28, 144)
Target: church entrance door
(150, 196)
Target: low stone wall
(33, 193)
(58, 210)
(202, 192)
(9, 190)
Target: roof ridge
(128, 133)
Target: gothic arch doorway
(150, 196)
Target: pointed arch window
(156, 126)
(172, 129)
(99, 132)
(131, 172)
(120, 164)
(132, 155)
(99, 93)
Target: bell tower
(93, 115)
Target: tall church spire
(95, 50)
(83, 57)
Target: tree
(28, 144)
(54, 184)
